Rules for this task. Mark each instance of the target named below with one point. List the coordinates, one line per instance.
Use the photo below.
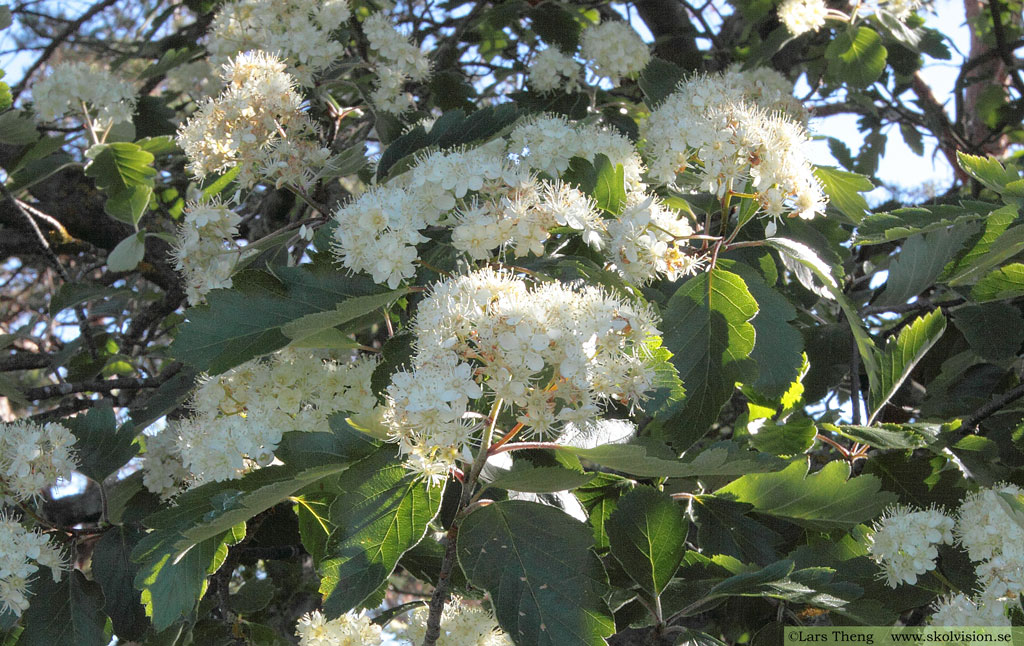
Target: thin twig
(993, 407)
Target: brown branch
(24, 361)
(98, 386)
(994, 406)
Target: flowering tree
(490, 323)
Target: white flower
(298, 30)
(108, 99)
(241, 415)
(257, 109)
(614, 50)
(994, 540)
(34, 457)
(163, 472)
(802, 16)
(551, 71)
(461, 625)
(957, 610)
(347, 630)
(905, 542)
(21, 553)
(205, 251)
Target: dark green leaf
(555, 26)
(245, 321)
(540, 479)
(658, 80)
(900, 356)
(114, 572)
(884, 436)
(69, 611)
(919, 263)
(305, 327)
(722, 459)
(17, 128)
(902, 223)
(599, 497)
(1007, 245)
(102, 447)
(723, 527)
(71, 294)
(383, 513)
(545, 583)
(821, 501)
(979, 325)
(253, 596)
(647, 534)
(778, 347)
(995, 225)
(707, 328)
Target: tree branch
(989, 409)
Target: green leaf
(647, 534)
(102, 447)
(668, 388)
(900, 356)
(555, 26)
(995, 224)
(919, 263)
(253, 596)
(987, 170)
(383, 513)
(1000, 284)
(610, 185)
(825, 500)
(707, 328)
(315, 526)
(722, 459)
(600, 497)
(308, 326)
(790, 438)
(883, 436)
(245, 321)
(804, 262)
(856, 56)
(723, 527)
(171, 586)
(778, 347)
(659, 80)
(540, 479)
(128, 253)
(978, 324)
(124, 172)
(114, 572)
(545, 583)
(305, 449)
(1007, 245)
(844, 191)
(66, 612)
(10, 389)
(18, 128)
(747, 583)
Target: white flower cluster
(733, 146)
(84, 89)
(958, 609)
(494, 202)
(552, 71)
(298, 30)
(163, 471)
(555, 354)
(614, 51)
(257, 112)
(994, 541)
(802, 16)
(241, 414)
(461, 625)
(34, 457)
(905, 542)
(400, 62)
(21, 553)
(206, 253)
(349, 629)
